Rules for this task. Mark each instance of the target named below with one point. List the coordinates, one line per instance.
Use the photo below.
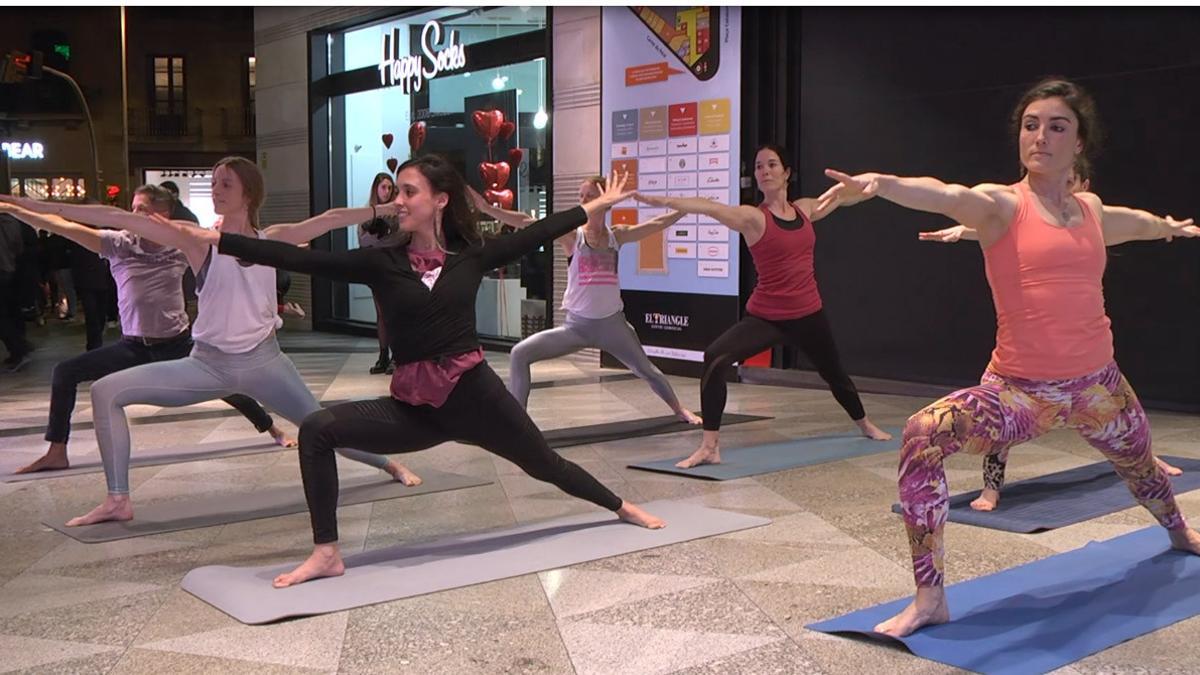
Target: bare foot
(402, 473)
(871, 431)
(987, 500)
(688, 416)
(1169, 469)
(325, 561)
(54, 459)
(114, 507)
(1186, 539)
(281, 438)
(632, 513)
(703, 455)
(927, 609)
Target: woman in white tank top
(595, 313)
(234, 332)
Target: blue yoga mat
(759, 459)
(1050, 613)
(1060, 499)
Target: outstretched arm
(505, 249)
(950, 235)
(982, 205)
(80, 234)
(361, 265)
(738, 218)
(512, 218)
(307, 230)
(1121, 224)
(629, 233)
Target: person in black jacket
(442, 389)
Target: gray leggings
(263, 373)
(613, 334)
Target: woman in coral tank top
(785, 306)
(1053, 368)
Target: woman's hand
(653, 200)
(946, 236)
(850, 190)
(614, 192)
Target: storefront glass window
(372, 128)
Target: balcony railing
(191, 123)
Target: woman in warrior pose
(235, 352)
(595, 313)
(994, 466)
(785, 306)
(154, 326)
(1044, 252)
(427, 289)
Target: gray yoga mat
(174, 454)
(187, 514)
(648, 426)
(1060, 499)
(759, 459)
(407, 570)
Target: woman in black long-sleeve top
(442, 389)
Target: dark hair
(160, 197)
(1080, 102)
(779, 151)
(379, 178)
(459, 224)
(254, 189)
(783, 155)
(170, 186)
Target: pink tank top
(1047, 287)
(787, 280)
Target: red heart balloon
(416, 136)
(487, 123)
(507, 129)
(487, 171)
(387, 141)
(502, 198)
(495, 173)
(515, 156)
(392, 163)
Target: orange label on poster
(652, 253)
(624, 216)
(714, 116)
(651, 72)
(620, 166)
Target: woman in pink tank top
(785, 306)
(1053, 365)
(995, 466)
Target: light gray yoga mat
(759, 459)
(187, 514)
(174, 454)
(407, 570)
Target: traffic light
(21, 66)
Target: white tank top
(593, 289)
(236, 304)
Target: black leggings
(480, 411)
(752, 335)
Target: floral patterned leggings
(1003, 411)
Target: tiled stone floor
(728, 604)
